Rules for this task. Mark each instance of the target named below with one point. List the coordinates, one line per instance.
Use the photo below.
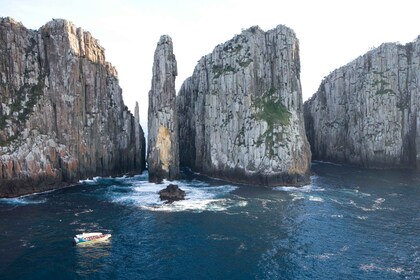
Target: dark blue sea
(349, 223)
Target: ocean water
(349, 223)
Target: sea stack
(163, 146)
(241, 113)
(366, 113)
(62, 116)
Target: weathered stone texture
(366, 113)
(62, 116)
(163, 154)
(241, 113)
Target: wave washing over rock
(366, 113)
(62, 117)
(241, 114)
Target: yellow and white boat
(91, 237)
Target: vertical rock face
(367, 112)
(241, 113)
(163, 146)
(62, 117)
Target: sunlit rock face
(240, 113)
(163, 155)
(62, 116)
(366, 112)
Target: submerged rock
(240, 113)
(172, 193)
(62, 117)
(163, 155)
(366, 113)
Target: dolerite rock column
(366, 113)
(163, 155)
(241, 113)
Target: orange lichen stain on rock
(163, 144)
(9, 169)
(50, 171)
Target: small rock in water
(172, 193)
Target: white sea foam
(83, 212)
(219, 237)
(315, 198)
(215, 205)
(337, 216)
(369, 267)
(264, 202)
(395, 194)
(354, 192)
(23, 200)
(344, 248)
(200, 197)
(376, 205)
(324, 256)
(297, 196)
(374, 267)
(307, 188)
(379, 201)
(89, 181)
(351, 202)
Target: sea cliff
(62, 117)
(366, 113)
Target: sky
(331, 33)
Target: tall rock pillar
(163, 151)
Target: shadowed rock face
(240, 113)
(367, 112)
(62, 117)
(163, 155)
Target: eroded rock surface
(241, 113)
(366, 113)
(172, 193)
(62, 117)
(163, 154)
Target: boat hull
(82, 240)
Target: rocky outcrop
(171, 193)
(62, 117)
(163, 154)
(367, 112)
(241, 113)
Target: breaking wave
(23, 200)
(200, 196)
(307, 188)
